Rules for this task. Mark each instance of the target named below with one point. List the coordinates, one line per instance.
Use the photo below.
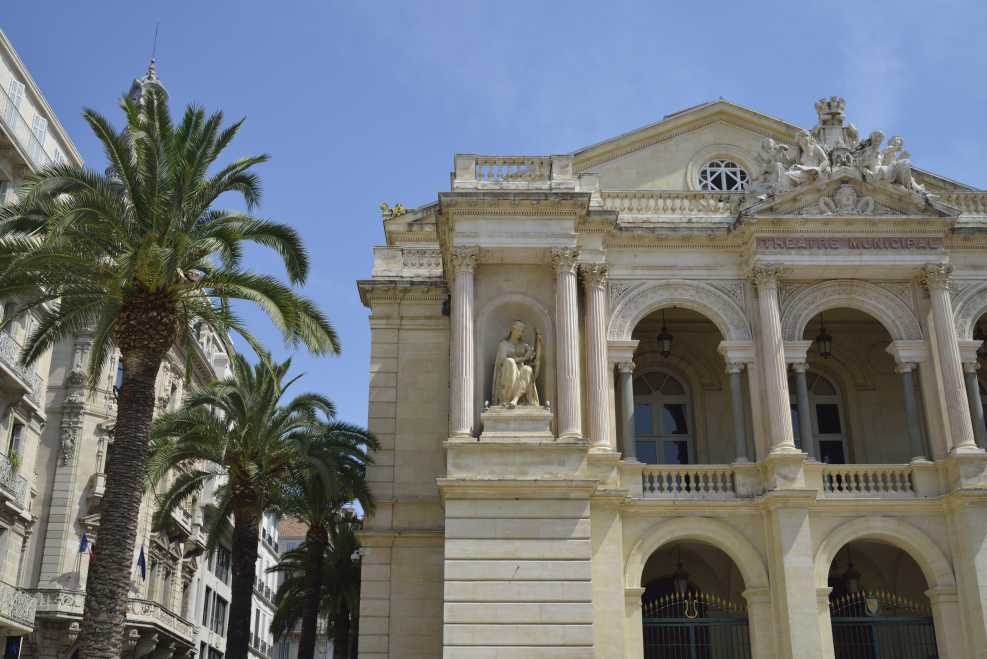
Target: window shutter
(15, 92)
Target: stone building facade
(741, 414)
(55, 434)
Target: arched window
(827, 417)
(662, 424)
(723, 176)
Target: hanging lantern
(680, 580)
(851, 578)
(824, 342)
(664, 338)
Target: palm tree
(135, 256)
(334, 474)
(241, 435)
(339, 592)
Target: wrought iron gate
(881, 626)
(695, 626)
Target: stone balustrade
(150, 612)
(513, 172)
(17, 605)
(671, 203)
(867, 481)
(688, 482)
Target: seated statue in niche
(516, 368)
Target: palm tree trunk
(246, 531)
(341, 633)
(316, 541)
(102, 632)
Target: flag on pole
(142, 564)
(84, 543)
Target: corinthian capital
(935, 276)
(594, 275)
(766, 275)
(463, 259)
(564, 259)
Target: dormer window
(723, 176)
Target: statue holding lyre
(516, 368)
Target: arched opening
(681, 404)
(878, 606)
(692, 606)
(861, 403)
(827, 418)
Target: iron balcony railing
(10, 354)
(13, 483)
(19, 128)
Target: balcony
(259, 645)
(19, 379)
(18, 130)
(148, 613)
(17, 608)
(513, 173)
(915, 480)
(12, 485)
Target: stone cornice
(401, 290)
(515, 203)
(506, 488)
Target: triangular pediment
(847, 196)
(678, 123)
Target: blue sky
(362, 102)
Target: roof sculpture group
(832, 150)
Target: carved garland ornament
(725, 313)
(897, 317)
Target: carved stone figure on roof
(516, 368)
(773, 161)
(833, 150)
(813, 164)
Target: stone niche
(524, 422)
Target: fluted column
(735, 369)
(975, 403)
(567, 351)
(461, 342)
(597, 380)
(771, 357)
(935, 277)
(911, 409)
(626, 371)
(805, 410)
